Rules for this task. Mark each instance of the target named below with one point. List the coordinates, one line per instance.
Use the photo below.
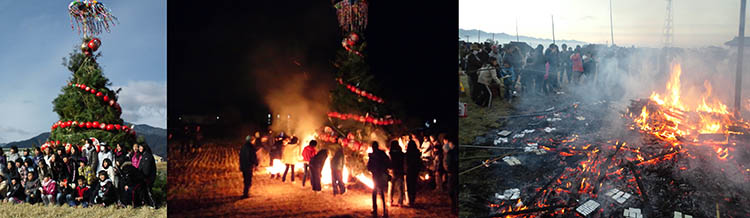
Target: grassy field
(479, 119)
(38, 210)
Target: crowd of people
(406, 159)
(79, 175)
(516, 67)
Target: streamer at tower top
(90, 17)
(352, 15)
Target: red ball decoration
(106, 98)
(54, 126)
(87, 88)
(111, 102)
(117, 126)
(93, 91)
(81, 124)
(88, 125)
(94, 44)
(83, 86)
(103, 126)
(110, 127)
(99, 94)
(95, 124)
(67, 124)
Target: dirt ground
(208, 183)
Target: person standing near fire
(337, 167)
(378, 165)
(413, 167)
(248, 161)
(316, 167)
(307, 154)
(290, 156)
(397, 166)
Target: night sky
(212, 47)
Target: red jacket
(308, 153)
(577, 62)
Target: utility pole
(517, 30)
(553, 29)
(611, 28)
(740, 58)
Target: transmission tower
(668, 31)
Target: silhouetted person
(413, 166)
(337, 167)
(248, 161)
(316, 166)
(397, 166)
(451, 166)
(378, 166)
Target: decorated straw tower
(87, 107)
(359, 116)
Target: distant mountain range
(505, 38)
(155, 137)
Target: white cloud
(144, 102)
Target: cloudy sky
(36, 35)
(697, 23)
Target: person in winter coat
(148, 168)
(11, 172)
(552, 59)
(577, 62)
(487, 78)
(15, 191)
(307, 154)
(31, 188)
(135, 156)
(21, 169)
(85, 172)
(248, 161)
(337, 168)
(107, 167)
(105, 153)
(397, 166)
(14, 155)
(48, 190)
(451, 166)
(81, 194)
(118, 152)
(316, 166)
(105, 191)
(133, 184)
(91, 152)
(378, 164)
(290, 156)
(413, 166)
(64, 192)
(70, 169)
(474, 62)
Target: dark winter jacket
(319, 159)
(337, 162)
(413, 158)
(397, 160)
(31, 186)
(16, 191)
(378, 163)
(248, 158)
(148, 166)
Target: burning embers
(680, 157)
